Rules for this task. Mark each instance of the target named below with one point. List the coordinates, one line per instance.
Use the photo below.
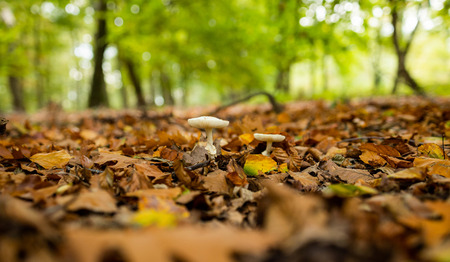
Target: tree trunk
(282, 82)
(135, 81)
(312, 74)
(153, 86)
(166, 88)
(16, 88)
(98, 95)
(402, 72)
(37, 63)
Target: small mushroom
(269, 138)
(208, 123)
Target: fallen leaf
(236, 174)
(305, 181)
(216, 182)
(246, 138)
(58, 159)
(413, 173)
(5, 153)
(347, 190)
(98, 201)
(348, 175)
(256, 164)
(380, 149)
(431, 150)
(372, 158)
(434, 166)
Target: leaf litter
(366, 180)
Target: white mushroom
(208, 123)
(269, 138)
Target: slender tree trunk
(37, 62)
(282, 82)
(376, 63)
(324, 66)
(153, 86)
(98, 95)
(15, 83)
(135, 81)
(402, 72)
(312, 75)
(16, 89)
(166, 88)
(123, 90)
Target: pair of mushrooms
(209, 123)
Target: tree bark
(135, 81)
(166, 88)
(16, 88)
(282, 81)
(98, 95)
(37, 62)
(402, 72)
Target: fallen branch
(275, 105)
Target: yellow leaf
(431, 150)
(150, 217)
(259, 163)
(413, 173)
(283, 168)
(57, 159)
(246, 138)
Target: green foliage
(219, 49)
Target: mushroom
(208, 123)
(269, 138)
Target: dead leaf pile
(367, 180)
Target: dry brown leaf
(305, 181)
(216, 182)
(5, 153)
(115, 160)
(58, 159)
(413, 173)
(380, 149)
(149, 170)
(348, 175)
(193, 244)
(372, 158)
(95, 201)
(236, 174)
(162, 193)
(434, 166)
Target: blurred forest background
(128, 53)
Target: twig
(199, 165)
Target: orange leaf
(283, 117)
(372, 158)
(57, 159)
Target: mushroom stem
(209, 141)
(268, 149)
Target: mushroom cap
(207, 122)
(269, 137)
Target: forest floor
(367, 180)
